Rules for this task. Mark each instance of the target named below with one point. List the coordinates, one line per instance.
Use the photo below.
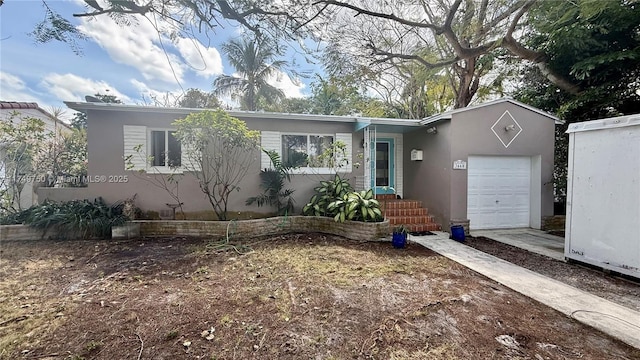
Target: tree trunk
(467, 84)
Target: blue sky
(129, 62)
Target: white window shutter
(190, 158)
(347, 139)
(135, 137)
(270, 140)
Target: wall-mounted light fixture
(510, 127)
(432, 130)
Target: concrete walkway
(536, 241)
(615, 320)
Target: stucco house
(15, 111)
(490, 163)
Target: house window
(305, 150)
(164, 149)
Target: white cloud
(205, 61)
(283, 82)
(12, 88)
(136, 45)
(70, 87)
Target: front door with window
(384, 166)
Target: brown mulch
(299, 296)
(618, 289)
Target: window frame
(307, 169)
(166, 169)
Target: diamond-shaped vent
(506, 129)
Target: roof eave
(435, 118)
(83, 106)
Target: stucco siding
(106, 159)
(471, 134)
(429, 180)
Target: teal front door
(384, 167)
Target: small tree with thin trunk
(218, 149)
(23, 143)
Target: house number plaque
(459, 165)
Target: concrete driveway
(536, 241)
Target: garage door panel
(498, 192)
(486, 202)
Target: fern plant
(272, 181)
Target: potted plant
(399, 239)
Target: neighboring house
(491, 163)
(15, 111)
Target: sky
(132, 62)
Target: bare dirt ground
(307, 296)
(614, 288)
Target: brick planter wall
(25, 232)
(20, 232)
(270, 226)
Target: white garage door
(498, 192)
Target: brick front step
(406, 212)
(400, 204)
(399, 220)
(409, 213)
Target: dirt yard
(305, 296)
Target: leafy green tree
(198, 99)
(23, 142)
(56, 27)
(291, 106)
(466, 40)
(66, 158)
(339, 96)
(79, 121)
(597, 45)
(219, 150)
(469, 38)
(254, 61)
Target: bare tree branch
(360, 10)
(387, 55)
(539, 58)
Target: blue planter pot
(457, 233)
(399, 240)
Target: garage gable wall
(503, 129)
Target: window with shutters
(305, 150)
(157, 151)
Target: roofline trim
(81, 106)
(447, 115)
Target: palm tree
(254, 63)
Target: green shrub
(85, 218)
(272, 181)
(326, 193)
(337, 199)
(357, 206)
